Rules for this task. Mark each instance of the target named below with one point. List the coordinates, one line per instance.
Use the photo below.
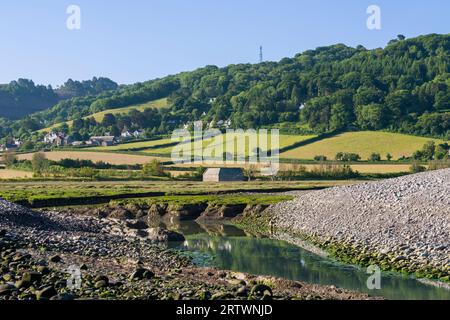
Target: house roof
(104, 138)
(217, 171)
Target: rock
(46, 293)
(222, 212)
(186, 212)
(63, 297)
(141, 273)
(32, 277)
(260, 291)
(43, 270)
(101, 284)
(242, 292)
(157, 211)
(121, 214)
(137, 224)
(162, 235)
(2, 233)
(22, 284)
(7, 277)
(6, 289)
(222, 296)
(55, 259)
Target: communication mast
(260, 54)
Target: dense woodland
(402, 88)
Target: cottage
(50, 137)
(62, 140)
(138, 133)
(104, 141)
(223, 175)
(8, 147)
(126, 134)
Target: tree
(416, 167)
(371, 117)
(153, 168)
(389, 157)
(115, 131)
(88, 172)
(9, 159)
(428, 150)
(321, 158)
(250, 172)
(442, 151)
(108, 120)
(375, 157)
(39, 163)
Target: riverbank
(38, 249)
(400, 224)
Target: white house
(126, 134)
(138, 133)
(50, 137)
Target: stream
(230, 248)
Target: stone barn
(223, 175)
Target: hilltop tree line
(402, 88)
(22, 97)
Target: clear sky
(138, 40)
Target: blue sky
(138, 40)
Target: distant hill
(22, 97)
(402, 88)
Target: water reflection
(231, 249)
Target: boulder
(163, 235)
(214, 212)
(46, 293)
(137, 225)
(187, 211)
(157, 211)
(121, 214)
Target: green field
(363, 143)
(51, 190)
(226, 199)
(161, 103)
(163, 146)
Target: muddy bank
(98, 200)
(38, 259)
(164, 212)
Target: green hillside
(403, 87)
(157, 104)
(363, 143)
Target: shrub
(320, 158)
(9, 159)
(416, 167)
(87, 172)
(153, 168)
(347, 157)
(39, 163)
(375, 157)
(439, 164)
